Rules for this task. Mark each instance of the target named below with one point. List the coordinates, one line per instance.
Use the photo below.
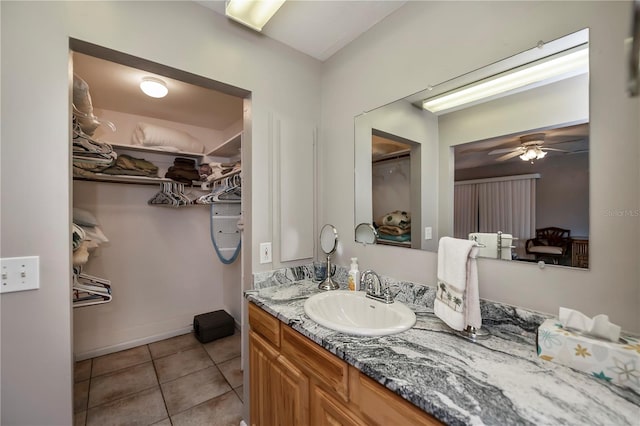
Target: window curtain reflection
(465, 201)
(506, 205)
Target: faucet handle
(386, 294)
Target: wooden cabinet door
(261, 359)
(328, 411)
(291, 394)
(279, 390)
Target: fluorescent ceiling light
(154, 87)
(252, 13)
(557, 68)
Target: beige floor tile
(225, 410)
(240, 392)
(224, 349)
(80, 419)
(182, 363)
(193, 389)
(165, 422)
(80, 396)
(119, 360)
(141, 409)
(173, 345)
(82, 370)
(232, 372)
(122, 383)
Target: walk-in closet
(157, 198)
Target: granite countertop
(497, 381)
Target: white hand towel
(457, 298)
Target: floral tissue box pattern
(618, 363)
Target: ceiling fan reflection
(530, 149)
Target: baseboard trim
(138, 342)
(132, 344)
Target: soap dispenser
(354, 275)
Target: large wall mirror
(504, 150)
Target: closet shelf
(140, 180)
(229, 148)
(140, 148)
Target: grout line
(164, 401)
(204, 402)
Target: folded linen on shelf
(183, 171)
(82, 102)
(131, 166)
(152, 135)
(397, 218)
(393, 230)
(221, 170)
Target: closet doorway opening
(146, 172)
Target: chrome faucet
(375, 288)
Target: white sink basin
(353, 313)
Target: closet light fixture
(557, 68)
(252, 13)
(154, 87)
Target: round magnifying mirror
(328, 239)
(328, 243)
(366, 234)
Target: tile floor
(177, 381)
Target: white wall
(36, 326)
(429, 42)
(162, 267)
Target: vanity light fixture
(154, 87)
(557, 68)
(252, 13)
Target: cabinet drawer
(264, 324)
(316, 361)
(382, 407)
(327, 411)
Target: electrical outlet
(428, 233)
(265, 252)
(19, 273)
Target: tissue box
(618, 363)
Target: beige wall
(425, 43)
(36, 326)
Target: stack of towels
(183, 171)
(457, 298)
(395, 225)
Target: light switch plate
(428, 233)
(19, 274)
(265, 252)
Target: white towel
(457, 298)
(151, 135)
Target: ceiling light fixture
(154, 87)
(559, 67)
(252, 13)
(533, 153)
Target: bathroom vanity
(303, 373)
(294, 381)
